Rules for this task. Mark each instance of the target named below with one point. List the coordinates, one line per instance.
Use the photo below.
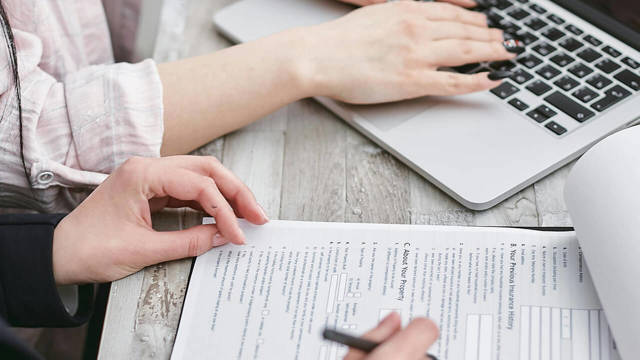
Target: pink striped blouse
(83, 114)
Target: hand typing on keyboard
(397, 50)
(563, 78)
(566, 77)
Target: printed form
(495, 293)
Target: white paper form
(494, 293)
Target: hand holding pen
(389, 341)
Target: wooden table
(303, 163)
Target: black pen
(355, 342)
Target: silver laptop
(578, 82)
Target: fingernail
(218, 239)
(499, 75)
(264, 214)
(514, 46)
(471, 4)
(241, 240)
(388, 317)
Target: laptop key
(538, 87)
(536, 116)
(607, 66)
(580, 70)
(592, 40)
(571, 44)
(611, 97)
(509, 27)
(518, 14)
(544, 48)
(537, 8)
(629, 78)
(503, 4)
(562, 59)
(574, 29)
(631, 63)
(546, 111)
(530, 61)
(585, 94)
(556, 19)
(556, 128)
(505, 90)
(553, 34)
(566, 83)
(520, 76)
(589, 55)
(535, 23)
(569, 107)
(598, 81)
(527, 37)
(518, 104)
(548, 72)
(611, 51)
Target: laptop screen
(620, 18)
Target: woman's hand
(465, 3)
(109, 235)
(410, 343)
(393, 51)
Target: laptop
(578, 82)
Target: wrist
(62, 267)
(301, 61)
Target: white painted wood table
(302, 163)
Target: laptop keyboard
(565, 69)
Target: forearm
(208, 96)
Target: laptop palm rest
(388, 116)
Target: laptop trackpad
(388, 116)
(391, 115)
